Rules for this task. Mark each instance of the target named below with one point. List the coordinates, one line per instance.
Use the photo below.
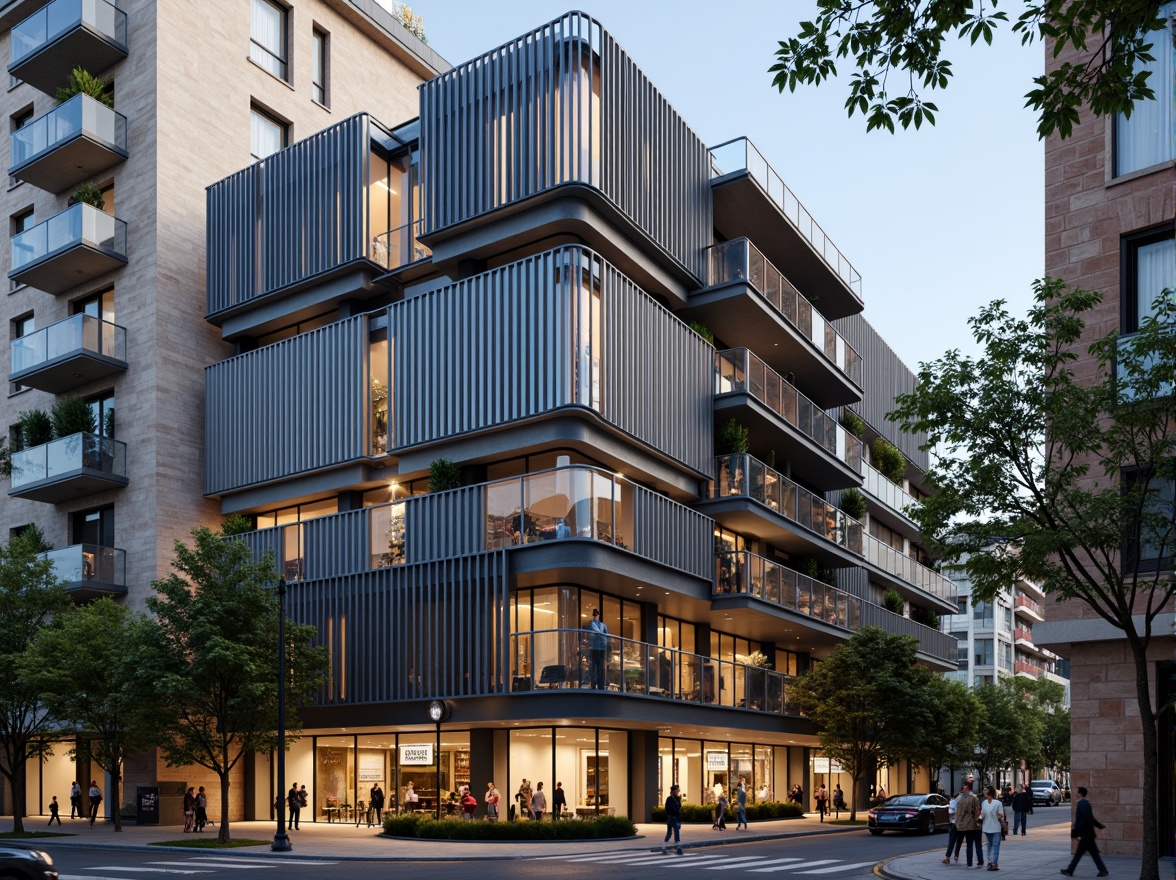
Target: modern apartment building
(1110, 199)
(511, 269)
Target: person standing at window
(597, 645)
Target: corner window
(1145, 139)
(1149, 268)
(268, 42)
(320, 77)
(267, 135)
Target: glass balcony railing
(568, 502)
(80, 115)
(80, 333)
(743, 572)
(399, 247)
(900, 565)
(741, 474)
(737, 369)
(741, 154)
(890, 494)
(67, 455)
(557, 659)
(740, 260)
(61, 16)
(89, 562)
(78, 224)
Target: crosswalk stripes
(717, 862)
(840, 868)
(194, 865)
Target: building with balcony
(1110, 200)
(493, 270)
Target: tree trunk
(1150, 867)
(222, 833)
(18, 799)
(115, 797)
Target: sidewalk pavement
(1039, 855)
(348, 842)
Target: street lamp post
(281, 840)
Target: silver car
(20, 863)
(1046, 792)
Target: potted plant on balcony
(893, 602)
(443, 475)
(853, 503)
(82, 82)
(88, 194)
(853, 423)
(888, 460)
(72, 416)
(702, 330)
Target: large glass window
(983, 652)
(582, 279)
(267, 135)
(1153, 545)
(379, 365)
(268, 42)
(1145, 139)
(1149, 262)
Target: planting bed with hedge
(424, 826)
(692, 813)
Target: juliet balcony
(750, 199)
(556, 660)
(70, 248)
(64, 34)
(783, 419)
(88, 571)
(73, 352)
(69, 468)
(71, 143)
(748, 301)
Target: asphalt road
(850, 855)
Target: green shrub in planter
(892, 601)
(853, 502)
(36, 428)
(443, 475)
(853, 423)
(888, 459)
(424, 826)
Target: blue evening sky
(938, 222)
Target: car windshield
(1043, 784)
(904, 800)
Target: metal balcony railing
(743, 572)
(901, 565)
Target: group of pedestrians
(195, 809)
(76, 810)
(531, 803)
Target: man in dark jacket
(1084, 829)
(1022, 807)
(673, 819)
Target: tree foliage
(214, 654)
(867, 698)
(898, 51)
(1061, 477)
(89, 670)
(1006, 729)
(949, 742)
(31, 600)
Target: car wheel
(925, 826)
(875, 831)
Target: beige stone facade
(1089, 213)
(186, 89)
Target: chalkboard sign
(147, 805)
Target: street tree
(949, 743)
(89, 670)
(1006, 730)
(1062, 478)
(898, 53)
(1055, 745)
(31, 600)
(866, 699)
(214, 656)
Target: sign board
(371, 766)
(420, 755)
(820, 765)
(147, 805)
(716, 760)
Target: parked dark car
(26, 864)
(1046, 792)
(925, 813)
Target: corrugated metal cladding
(884, 377)
(445, 525)
(427, 631)
(673, 534)
(291, 216)
(502, 346)
(563, 104)
(288, 408)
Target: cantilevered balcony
(749, 302)
(783, 419)
(892, 501)
(750, 199)
(88, 571)
(912, 580)
(1023, 606)
(71, 143)
(755, 500)
(70, 248)
(69, 468)
(70, 353)
(64, 34)
(554, 660)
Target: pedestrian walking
(492, 799)
(992, 817)
(838, 798)
(294, 805)
(201, 809)
(822, 798)
(376, 802)
(538, 803)
(1022, 807)
(1085, 831)
(673, 820)
(559, 800)
(75, 801)
(95, 801)
(953, 834)
(741, 805)
(968, 825)
(53, 811)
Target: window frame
(282, 126)
(1129, 247)
(1162, 91)
(1151, 564)
(320, 76)
(282, 59)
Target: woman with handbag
(992, 818)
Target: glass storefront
(591, 765)
(700, 767)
